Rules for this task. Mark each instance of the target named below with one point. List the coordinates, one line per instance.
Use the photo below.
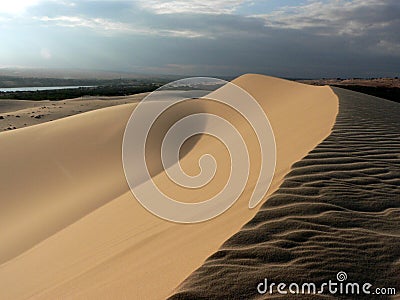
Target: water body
(42, 88)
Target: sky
(285, 38)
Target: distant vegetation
(62, 94)
(106, 87)
(13, 81)
(386, 88)
(123, 87)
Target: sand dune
(70, 228)
(15, 114)
(337, 210)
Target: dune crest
(72, 227)
(337, 211)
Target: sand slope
(337, 210)
(16, 114)
(71, 228)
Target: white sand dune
(70, 228)
(15, 114)
(338, 210)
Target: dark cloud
(318, 39)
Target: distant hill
(387, 88)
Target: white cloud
(388, 47)
(4, 20)
(93, 23)
(338, 17)
(367, 25)
(107, 26)
(45, 53)
(192, 6)
(16, 6)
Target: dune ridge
(73, 229)
(337, 210)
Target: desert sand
(337, 211)
(16, 114)
(70, 227)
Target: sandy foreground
(70, 227)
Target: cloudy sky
(332, 38)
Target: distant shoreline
(42, 88)
(63, 93)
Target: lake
(41, 88)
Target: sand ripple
(337, 210)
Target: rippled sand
(70, 228)
(337, 210)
